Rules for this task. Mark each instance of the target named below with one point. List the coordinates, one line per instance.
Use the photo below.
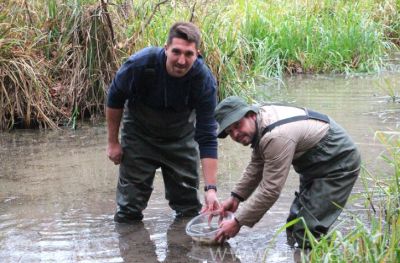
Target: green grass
(248, 40)
(244, 42)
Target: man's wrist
(238, 197)
(113, 141)
(209, 187)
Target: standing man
(169, 96)
(320, 151)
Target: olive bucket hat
(229, 111)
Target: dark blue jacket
(196, 90)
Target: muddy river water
(57, 188)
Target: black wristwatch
(210, 186)
(241, 199)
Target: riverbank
(58, 57)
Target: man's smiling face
(181, 55)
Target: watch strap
(210, 186)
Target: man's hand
(211, 201)
(114, 152)
(114, 149)
(231, 204)
(227, 229)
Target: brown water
(57, 188)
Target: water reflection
(136, 245)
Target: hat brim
(232, 118)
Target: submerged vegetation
(58, 57)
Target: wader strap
(148, 79)
(309, 115)
(150, 70)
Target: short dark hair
(185, 30)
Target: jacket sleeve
(278, 155)
(206, 125)
(251, 177)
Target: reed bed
(76, 46)
(85, 57)
(25, 98)
(56, 67)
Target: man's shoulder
(201, 67)
(144, 57)
(203, 74)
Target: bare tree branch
(137, 34)
(192, 12)
(104, 6)
(152, 15)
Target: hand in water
(227, 229)
(211, 202)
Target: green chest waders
(327, 173)
(153, 139)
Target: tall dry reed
(74, 47)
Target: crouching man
(321, 152)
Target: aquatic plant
(392, 90)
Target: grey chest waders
(153, 139)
